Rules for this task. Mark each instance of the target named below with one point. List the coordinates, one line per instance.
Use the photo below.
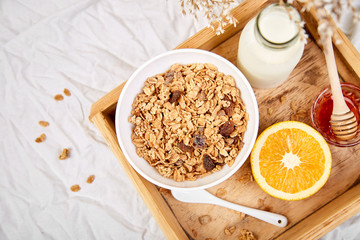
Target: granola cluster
(189, 121)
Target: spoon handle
(273, 218)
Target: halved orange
(290, 160)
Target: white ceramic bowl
(160, 64)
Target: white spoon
(202, 196)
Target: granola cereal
(246, 235)
(221, 192)
(282, 99)
(64, 154)
(247, 177)
(242, 215)
(189, 121)
(297, 114)
(75, 188)
(90, 179)
(41, 138)
(164, 190)
(67, 92)
(58, 97)
(43, 123)
(293, 106)
(205, 219)
(229, 230)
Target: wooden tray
(310, 218)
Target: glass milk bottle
(270, 46)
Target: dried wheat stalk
(218, 15)
(327, 10)
(216, 12)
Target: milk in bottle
(270, 46)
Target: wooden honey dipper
(343, 121)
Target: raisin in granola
(208, 163)
(227, 128)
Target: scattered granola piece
(221, 192)
(90, 179)
(270, 111)
(43, 123)
(64, 154)
(58, 97)
(229, 230)
(194, 232)
(164, 190)
(242, 215)
(282, 98)
(75, 188)
(247, 177)
(205, 219)
(246, 235)
(301, 113)
(41, 138)
(293, 106)
(67, 92)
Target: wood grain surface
(310, 218)
(283, 103)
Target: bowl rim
(252, 138)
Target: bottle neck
(275, 27)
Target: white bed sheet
(89, 47)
